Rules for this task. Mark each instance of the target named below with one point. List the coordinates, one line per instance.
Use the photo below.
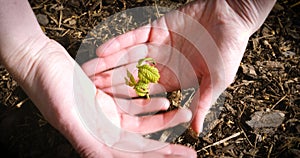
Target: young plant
(147, 73)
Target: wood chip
(261, 119)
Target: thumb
(204, 98)
(201, 105)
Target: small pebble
(42, 19)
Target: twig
(241, 84)
(221, 141)
(21, 103)
(60, 18)
(266, 36)
(270, 151)
(98, 3)
(55, 28)
(278, 102)
(65, 33)
(245, 135)
(157, 11)
(294, 5)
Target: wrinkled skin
(46, 72)
(229, 23)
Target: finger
(175, 70)
(114, 77)
(169, 151)
(202, 104)
(173, 150)
(125, 91)
(123, 57)
(123, 41)
(154, 123)
(113, 81)
(141, 106)
(171, 63)
(206, 96)
(164, 150)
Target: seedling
(147, 73)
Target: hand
(210, 36)
(63, 93)
(59, 88)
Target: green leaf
(140, 62)
(131, 78)
(147, 74)
(127, 82)
(141, 88)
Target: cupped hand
(201, 44)
(60, 90)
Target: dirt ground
(260, 113)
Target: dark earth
(259, 113)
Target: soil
(259, 113)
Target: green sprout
(147, 74)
